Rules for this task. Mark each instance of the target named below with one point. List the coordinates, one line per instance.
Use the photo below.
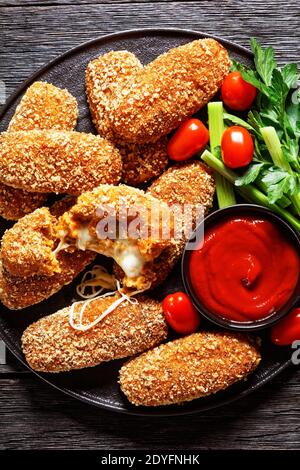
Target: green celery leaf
(250, 175)
(293, 111)
(264, 60)
(291, 151)
(280, 88)
(290, 74)
(276, 191)
(236, 120)
(251, 77)
(274, 175)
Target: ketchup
(246, 269)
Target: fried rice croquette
(185, 183)
(126, 206)
(43, 106)
(49, 274)
(57, 161)
(188, 368)
(52, 345)
(27, 248)
(105, 77)
(169, 90)
(15, 203)
(20, 292)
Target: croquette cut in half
(188, 368)
(129, 209)
(52, 345)
(105, 77)
(186, 183)
(57, 161)
(43, 106)
(27, 248)
(45, 273)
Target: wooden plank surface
(33, 35)
(34, 416)
(31, 414)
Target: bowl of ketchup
(242, 273)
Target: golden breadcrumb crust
(27, 248)
(57, 161)
(52, 345)
(15, 203)
(191, 367)
(169, 90)
(190, 182)
(105, 77)
(43, 106)
(17, 292)
(21, 292)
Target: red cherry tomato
(287, 330)
(191, 137)
(180, 313)
(237, 93)
(237, 147)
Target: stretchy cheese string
(99, 277)
(62, 245)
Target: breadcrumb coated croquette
(57, 161)
(188, 368)
(15, 203)
(142, 163)
(52, 345)
(17, 292)
(190, 182)
(43, 106)
(80, 226)
(185, 183)
(27, 248)
(169, 90)
(20, 292)
(105, 77)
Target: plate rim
(11, 346)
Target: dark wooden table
(32, 415)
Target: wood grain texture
(33, 35)
(32, 415)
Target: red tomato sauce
(246, 269)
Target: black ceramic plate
(98, 386)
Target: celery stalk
(224, 189)
(273, 144)
(249, 192)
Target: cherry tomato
(191, 137)
(180, 313)
(237, 93)
(237, 147)
(287, 330)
